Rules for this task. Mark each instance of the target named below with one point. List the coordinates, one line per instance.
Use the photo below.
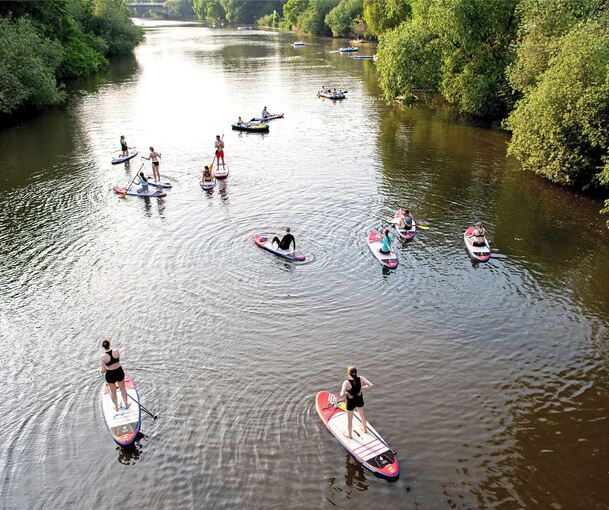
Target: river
(490, 380)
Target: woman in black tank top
(352, 391)
(110, 365)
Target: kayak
(332, 95)
(221, 172)
(134, 193)
(479, 253)
(368, 448)
(207, 185)
(123, 425)
(268, 117)
(389, 260)
(349, 49)
(403, 233)
(264, 242)
(122, 159)
(252, 128)
(363, 57)
(160, 184)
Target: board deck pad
(221, 174)
(160, 184)
(123, 425)
(207, 184)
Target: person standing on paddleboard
(156, 164)
(352, 390)
(110, 365)
(284, 243)
(124, 146)
(220, 149)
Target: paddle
(124, 193)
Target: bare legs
(156, 172)
(112, 387)
(362, 416)
(121, 386)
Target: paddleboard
(221, 172)
(134, 193)
(207, 185)
(268, 117)
(264, 242)
(404, 233)
(160, 184)
(122, 159)
(479, 253)
(368, 448)
(123, 425)
(389, 260)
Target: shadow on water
(131, 454)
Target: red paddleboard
(368, 448)
(479, 253)
(123, 424)
(375, 240)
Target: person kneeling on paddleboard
(143, 183)
(284, 243)
(478, 235)
(352, 390)
(405, 219)
(207, 176)
(386, 246)
(111, 366)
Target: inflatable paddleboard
(123, 425)
(134, 193)
(264, 242)
(160, 184)
(122, 159)
(390, 259)
(207, 185)
(368, 448)
(479, 253)
(407, 234)
(332, 95)
(221, 172)
(268, 117)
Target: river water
(490, 381)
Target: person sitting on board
(386, 243)
(265, 113)
(156, 164)
(220, 149)
(478, 235)
(207, 175)
(352, 391)
(405, 219)
(124, 146)
(240, 122)
(143, 182)
(284, 243)
(110, 365)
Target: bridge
(150, 6)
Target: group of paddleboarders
(208, 173)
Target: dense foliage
(235, 11)
(43, 43)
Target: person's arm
(366, 383)
(103, 368)
(293, 240)
(344, 389)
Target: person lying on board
(143, 182)
(284, 243)
(352, 390)
(405, 219)
(110, 365)
(386, 243)
(207, 174)
(478, 235)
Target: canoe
(252, 128)
(268, 117)
(390, 259)
(122, 159)
(160, 184)
(221, 172)
(403, 233)
(479, 253)
(349, 49)
(368, 448)
(134, 193)
(125, 424)
(332, 95)
(363, 57)
(207, 185)
(264, 242)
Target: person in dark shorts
(285, 241)
(352, 391)
(110, 365)
(156, 164)
(124, 146)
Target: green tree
(29, 62)
(383, 15)
(340, 19)
(312, 20)
(210, 10)
(291, 10)
(179, 8)
(110, 20)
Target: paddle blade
(422, 227)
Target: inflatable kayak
(207, 185)
(122, 159)
(134, 193)
(479, 253)
(123, 425)
(332, 95)
(252, 128)
(407, 234)
(389, 260)
(160, 184)
(264, 242)
(268, 117)
(348, 49)
(221, 172)
(368, 448)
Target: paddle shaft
(124, 194)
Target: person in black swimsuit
(124, 146)
(111, 366)
(352, 391)
(284, 243)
